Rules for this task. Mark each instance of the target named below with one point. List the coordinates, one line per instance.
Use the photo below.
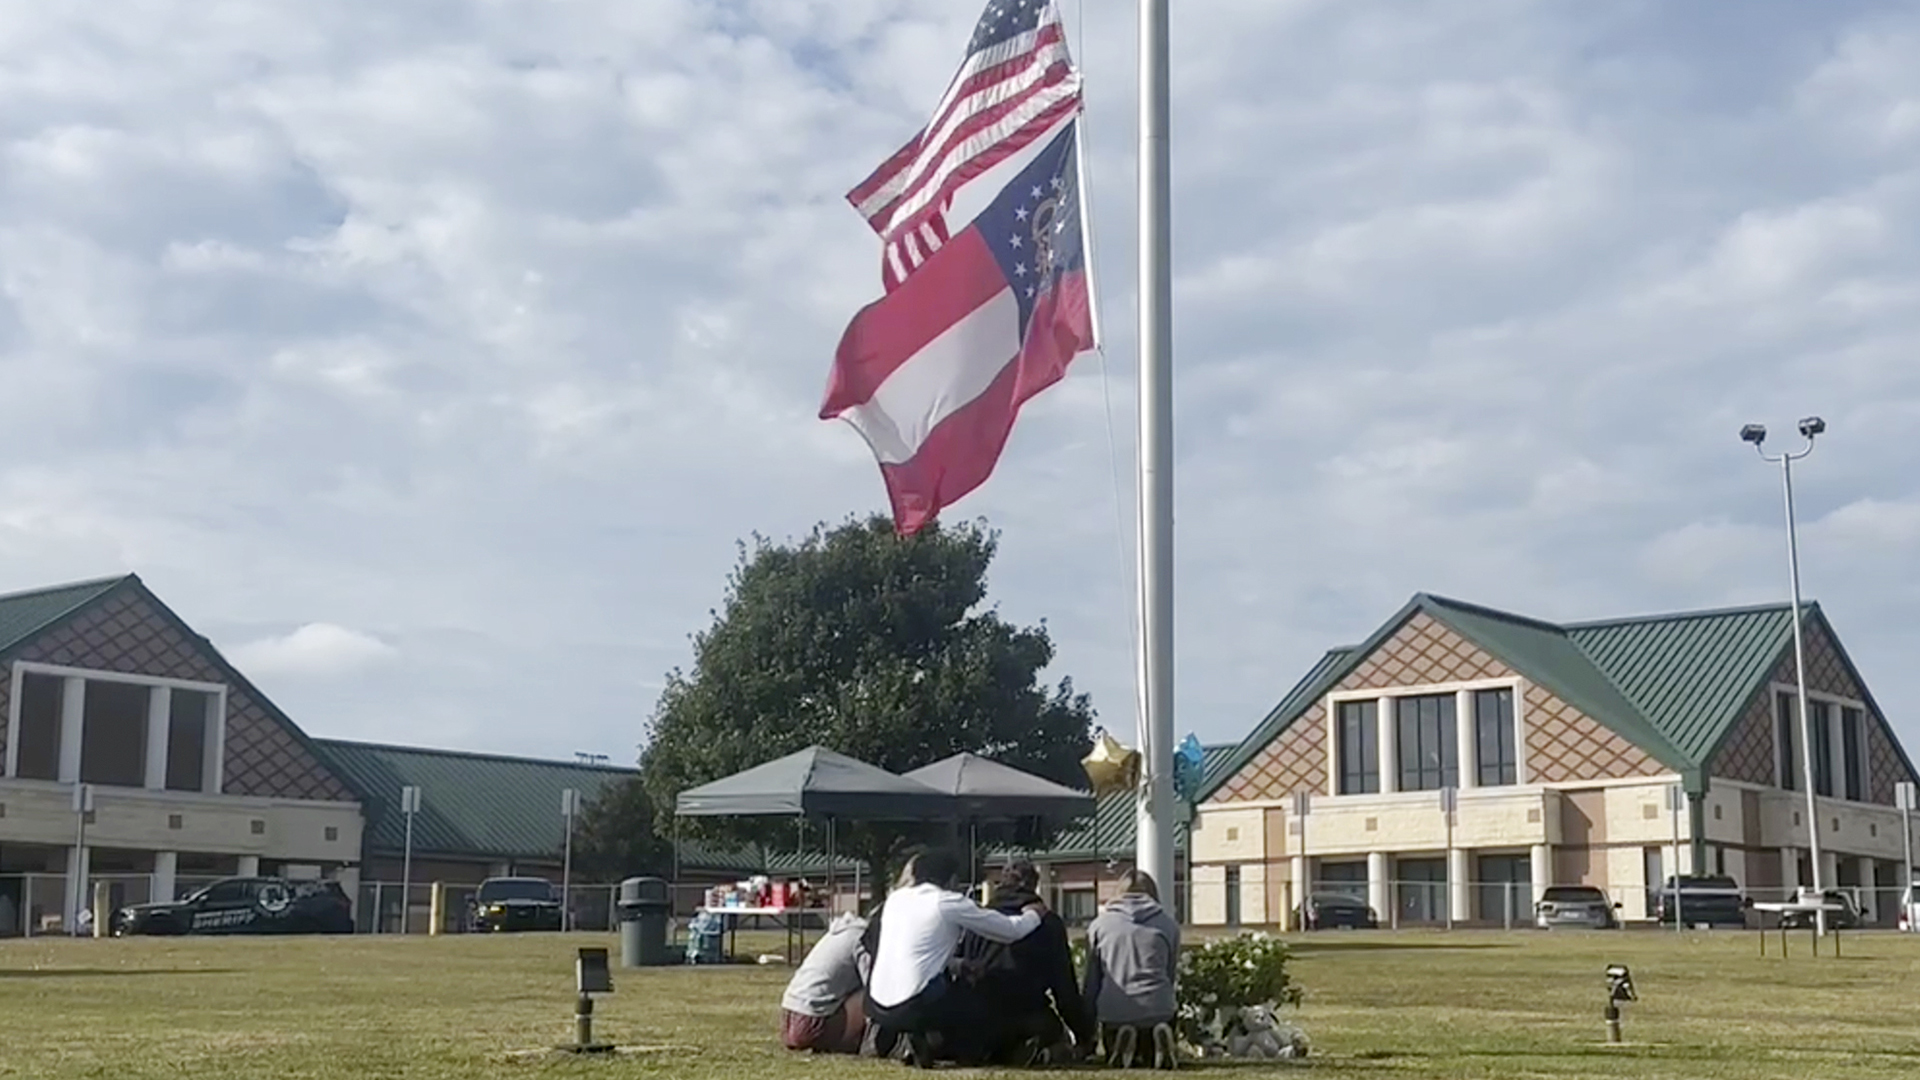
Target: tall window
(1496, 760)
(1852, 753)
(1359, 747)
(1428, 747)
(1789, 763)
(1821, 713)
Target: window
(1343, 879)
(1359, 747)
(1428, 747)
(1233, 896)
(1494, 754)
(1852, 754)
(1821, 714)
(1784, 740)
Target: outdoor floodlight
(1619, 989)
(1754, 433)
(590, 976)
(1812, 426)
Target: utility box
(645, 905)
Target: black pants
(950, 1015)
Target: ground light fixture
(591, 976)
(1619, 989)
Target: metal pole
(406, 870)
(1906, 798)
(1155, 809)
(1674, 798)
(1800, 688)
(567, 800)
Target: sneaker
(919, 1052)
(1124, 1042)
(1165, 1055)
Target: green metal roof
(1673, 685)
(1545, 654)
(1330, 669)
(1691, 673)
(25, 614)
(470, 804)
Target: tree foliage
(877, 646)
(614, 837)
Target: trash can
(645, 905)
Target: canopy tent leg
(833, 895)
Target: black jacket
(1021, 976)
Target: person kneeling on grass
(910, 993)
(1133, 955)
(1032, 997)
(823, 1009)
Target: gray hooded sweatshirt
(1133, 955)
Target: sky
(432, 356)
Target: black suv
(244, 905)
(1715, 900)
(515, 903)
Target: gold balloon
(1111, 767)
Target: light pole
(1757, 435)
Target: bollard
(583, 1022)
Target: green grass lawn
(1378, 1005)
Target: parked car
(244, 905)
(515, 903)
(1847, 918)
(1713, 900)
(1575, 905)
(1326, 910)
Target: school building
(1572, 754)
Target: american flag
(1016, 83)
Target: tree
(614, 836)
(870, 644)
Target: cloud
(494, 325)
(313, 649)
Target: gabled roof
(1693, 671)
(24, 614)
(481, 805)
(1674, 685)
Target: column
(159, 728)
(1298, 888)
(348, 878)
(1869, 896)
(73, 718)
(1463, 737)
(1389, 754)
(79, 861)
(1829, 868)
(249, 866)
(1837, 761)
(213, 758)
(1542, 860)
(1459, 892)
(166, 866)
(1379, 894)
(1789, 872)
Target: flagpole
(1155, 809)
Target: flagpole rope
(1106, 370)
